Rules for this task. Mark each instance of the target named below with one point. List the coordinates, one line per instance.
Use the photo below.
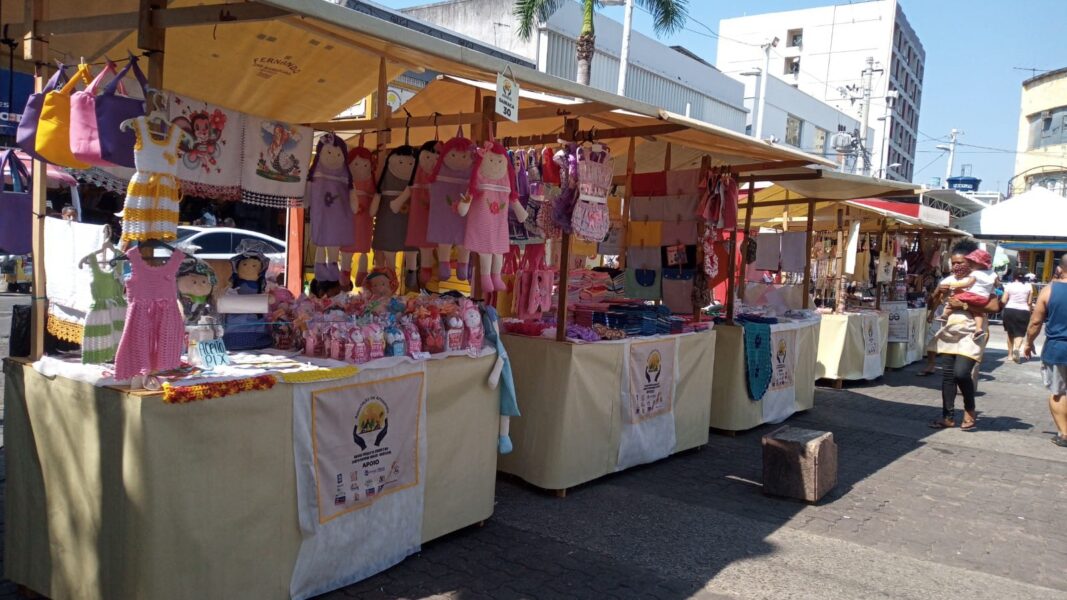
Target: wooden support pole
(883, 231)
(667, 158)
(36, 51)
(569, 127)
(839, 300)
(705, 170)
(731, 269)
(809, 241)
(631, 166)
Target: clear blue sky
(970, 83)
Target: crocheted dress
(419, 213)
(151, 210)
(487, 221)
(155, 333)
(362, 220)
(104, 323)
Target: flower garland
(180, 394)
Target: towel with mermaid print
(276, 156)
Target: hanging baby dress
(419, 210)
(390, 228)
(590, 220)
(153, 338)
(104, 323)
(151, 210)
(487, 221)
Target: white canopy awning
(1036, 215)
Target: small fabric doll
(472, 322)
(448, 185)
(391, 211)
(501, 376)
(362, 164)
(381, 286)
(248, 331)
(418, 197)
(332, 205)
(196, 282)
(491, 192)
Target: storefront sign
(365, 442)
(507, 96)
(899, 328)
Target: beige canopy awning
(781, 191)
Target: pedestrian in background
(1018, 298)
(1051, 313)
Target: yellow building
(1042, 147)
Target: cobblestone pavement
(917, 513)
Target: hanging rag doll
(418, 198)
(491, 192)
(595, 170)
(362, 164)
(248, 331)
(196, 282)
(331, 204)
(501, 376)
(448, 184)
(391, 211)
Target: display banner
(647, 431)
(916, 334)
(360, 455)
(873, 346)
(898, 321)
(780, 399)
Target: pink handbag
(84, 132)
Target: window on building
(1048, 128)
(795, 38)
(819, 145)
(792, 65)
(793, 128)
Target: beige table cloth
(852, 346)
(113, 495)
(731, 407)
(569, 395)
(902, 354)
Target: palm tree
(669, 16)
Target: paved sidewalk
(917, 513)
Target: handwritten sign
(212, 353)
(507, 96)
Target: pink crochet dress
(154, 333)
(419, 213)
(487, 221)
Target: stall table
(571, 398)
(906, 346)
(852, 346)
(112, 494)
(732, 409)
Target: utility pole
(951, 147)
(868, 79)
(624, 55)
(762, 104)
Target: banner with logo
(647, 431)
(873, 345)
(780, 399)
(916, 334)
(360, 453)
(898, 320)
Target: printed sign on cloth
(210, 164)
(275, 162)
(780, 399)
(898, 321)
(916, 334)
(360, 454)
(873, 345)
(648, 432)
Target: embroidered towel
(69, 288)
(757, 358)
(275, 161)
(210, 166)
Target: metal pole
(868, 75)
(951, 155)
(624, 54)
(761, 104)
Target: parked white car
(220, 243)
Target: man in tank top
(1051, 313)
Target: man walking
(1051, 312)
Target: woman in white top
(1018, 297)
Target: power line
(929, 164)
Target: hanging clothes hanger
(106, 247)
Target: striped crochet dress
(106, 318)
(151, 210)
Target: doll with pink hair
(362, 164)
(448, 185)
(491, 193)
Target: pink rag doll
(472, 322)
(332, 205)
(418, 197)
(449, 182)
(362, 164)
(491, 192)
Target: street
(917, 513)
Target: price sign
(213, 353)
(507, 96)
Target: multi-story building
(1042, 148)
(823, 51)
(672, 78)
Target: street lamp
(763, 84)
(882, 172)
(624, 52)
(757, 115)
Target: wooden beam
(667, 158)
(798, 177)
(570, 126)
(839, 286)
(749, 168)
(525, 114)
(163, 18)
(628, 182)
(772, 203)
(809, 241)
(705, 168)
(34, 46)
(596, 134)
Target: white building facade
(657, 74)
(823, 51)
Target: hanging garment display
(16, 206)
(210, 165)
(517, 232)
(646, 209)
(643, 234)
(154, 333)
(275, 156)
(794, 251)
(151, 209)
(590, 220)
(536, 203)
(718, 204)
(69, 288)
(683, 182)
(680, 208)
(84, 129)
(112, 109)
(26, 135)
(53, 129)
(852, 247)
(768, 252)
(106, 319)
(678, 232)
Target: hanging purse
(53, 130)
(16, 207)
(116, 145)
(84, 132)
(26, 136)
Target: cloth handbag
(53, 130)
(16, 207)
(84, 130)
(533, 284)
(505, 299)
(26, 136)
(678, 290)
(643, 284)
(116, 146)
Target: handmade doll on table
(448, 185)
(248, 331)
(381, 286)
(390, 212)
(491, 192)
(332, 206)
(196, 283)
(361, 166)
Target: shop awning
(1035, 215)
(773, 199)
